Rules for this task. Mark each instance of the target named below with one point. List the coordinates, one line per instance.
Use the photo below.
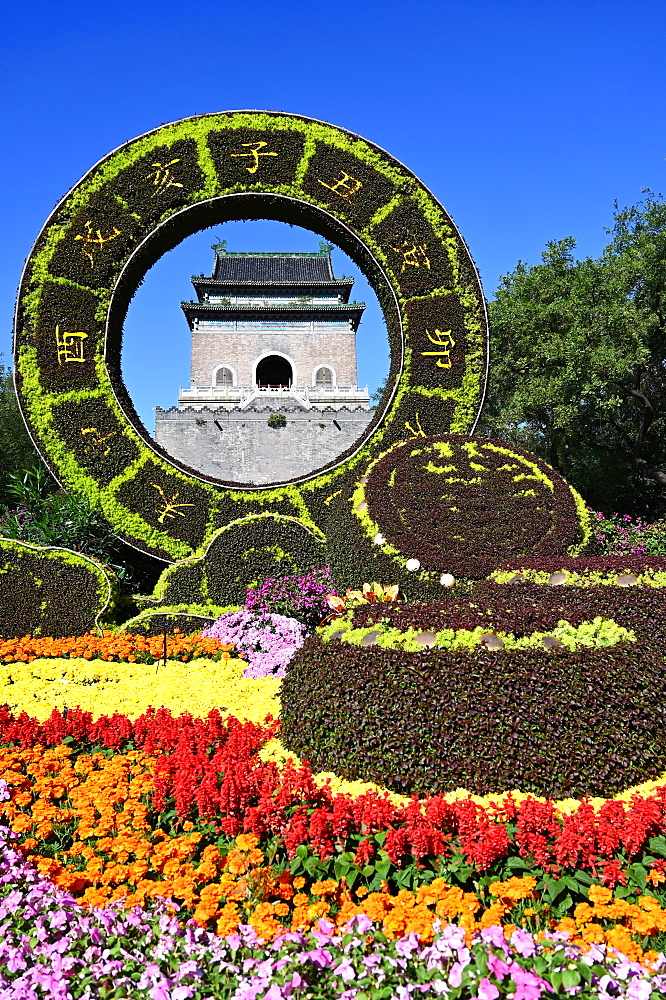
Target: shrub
(527, 607)
(451, 504)
(277, 420)
(301, 596)
(51, 591)
(553, 723)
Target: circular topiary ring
(144, 199)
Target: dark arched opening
(274, 371)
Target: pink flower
(498, 968)
(487, 991)
(528, 986)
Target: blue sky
(525, 119)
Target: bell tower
(270, 333)
(273, 326)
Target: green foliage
(277, 420)
(616, 534)
(241, 555)
(17, 452)
(51, 591)
(578, 357)
(40, 516)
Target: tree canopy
(577, 364)
(17, 452)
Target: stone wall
(307, 349)
(238, 445)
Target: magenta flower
(486, 990)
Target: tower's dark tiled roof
(273, 267)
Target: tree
(578, 354)
(17, 452)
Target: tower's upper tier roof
(273, 267)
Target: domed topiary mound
(453, 504)
(552, 721)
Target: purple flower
(639, 989)
(498, 968)
(455, 974)
(345, 970)
(528, 985)
(320, 956)
(267, 641)
(360, 923)
(301, 597)
(495, 936)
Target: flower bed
(117, 647)
(207, 812)
(150, 952)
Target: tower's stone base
(239, 445)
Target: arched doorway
(274, 371)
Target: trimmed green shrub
(553, 723)
(451, 504)
(241, 556)
(51, 591)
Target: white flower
(447, 580)
(412, 564)
(379, 539)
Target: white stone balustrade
(309, 396)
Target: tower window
(323, 377)
(275, 372)
(224, 376)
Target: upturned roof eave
(209, 280)
(353, 312)
(295, 307)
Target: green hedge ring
(146, 197)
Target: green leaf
(518, 864)
(570, 978)
(658, 846)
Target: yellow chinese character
(419, 432)
(413, 255)
(93, 242)
(70, 345)
(328, 499)
(97, 441)
(163, 177)
(170, 508)
(255, 151)
(345, 185)
(444, 340)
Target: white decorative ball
(447, 580)
(412, 564)
(379, 539)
